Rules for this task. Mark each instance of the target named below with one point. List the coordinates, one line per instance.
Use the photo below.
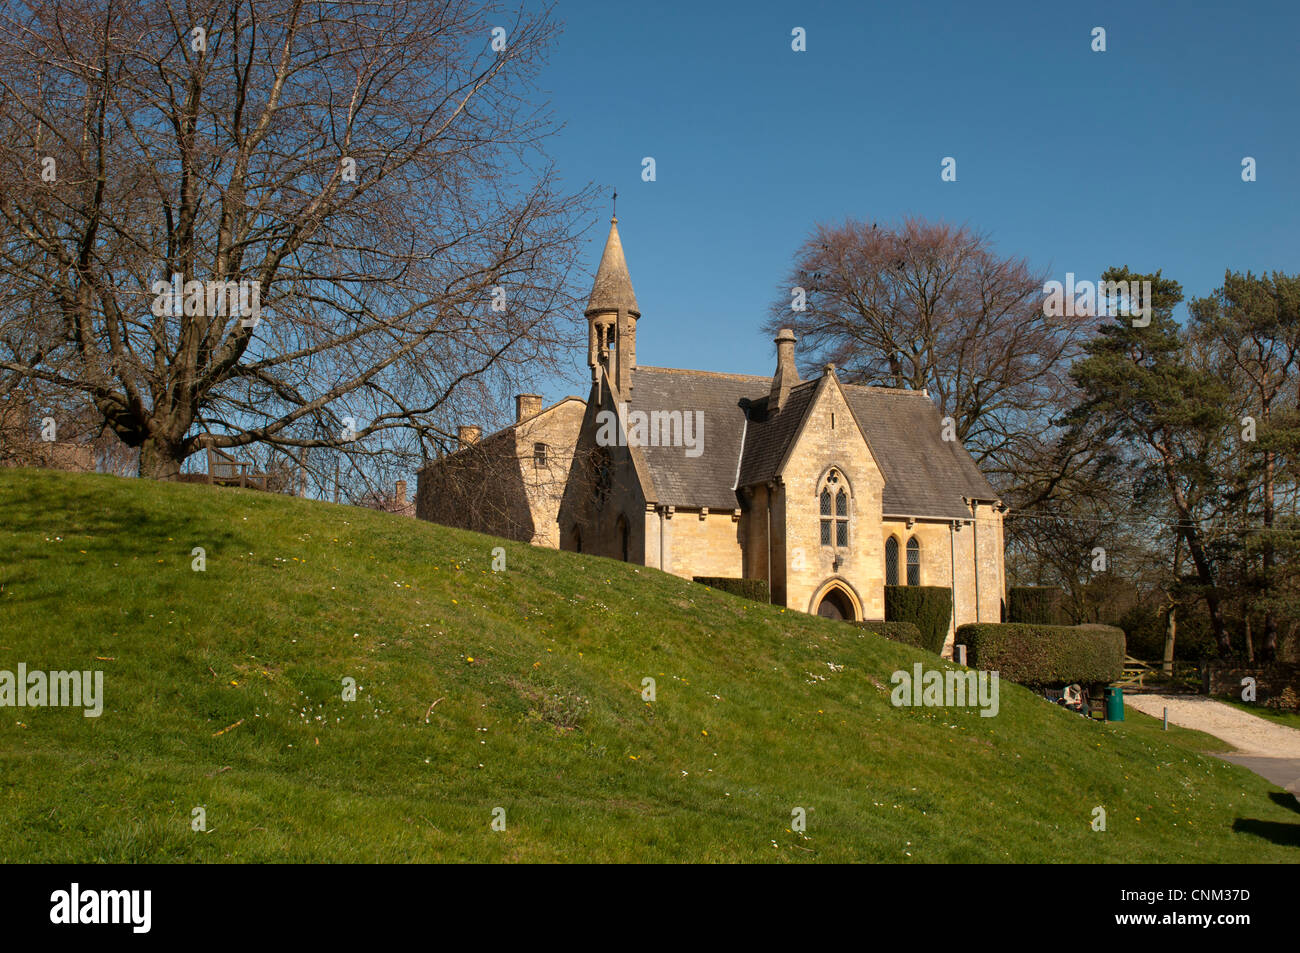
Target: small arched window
(913, 562)
(891, 561)
(833, 507)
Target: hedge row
(904, 632)
(1035, 605)
(1045, 655)
(755, 589)
(929, 608)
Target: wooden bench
(1096, 705)
(226, 470)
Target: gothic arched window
(833, 507)
(913, 562)
(891, 561)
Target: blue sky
(1075, 159)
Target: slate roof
(924, 474)
(706, 480)
(770, 437)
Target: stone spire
(612, 314)
(612, 290)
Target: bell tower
(612, 315)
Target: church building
(827, 491)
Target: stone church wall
(497, 485)
(942, 548)
(708, 546)
(591, 512)
(991, 546)
(827, 442)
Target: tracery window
(833, 507)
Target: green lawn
(518, 689)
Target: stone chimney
(526, 405)
(786, 375)
(400, 494)
(468, 434)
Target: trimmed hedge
(904, 632)
(755, 589)
(1035, 605)
(1045, 655)
(929, 608)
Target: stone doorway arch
(836, 601)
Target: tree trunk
(1209, 585)
(1200, 560)
(1268, 644)
(1171, 630)
(161, 459)
(1217, 625)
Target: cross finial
(615, 204)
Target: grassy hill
(517, 689)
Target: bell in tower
(612, 315)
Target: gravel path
(1270, 750)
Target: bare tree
(353, 198)
(929, 305)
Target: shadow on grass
(1288, 835)
(134, 530)
(87, 511)
(1283, 799)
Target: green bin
(1114, 696)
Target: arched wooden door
(836, 605)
